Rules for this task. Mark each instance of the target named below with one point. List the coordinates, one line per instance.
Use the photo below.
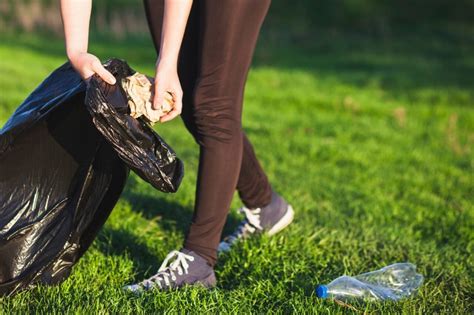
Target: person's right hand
(87, 64)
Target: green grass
(372, 140)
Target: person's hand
(87, 64)
(167, 80)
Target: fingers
(103, 73)
(158, 97)
(86, 74)
(176, 111)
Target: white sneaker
(187, 268)
(270, 219)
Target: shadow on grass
(118, 241)
(175, 218)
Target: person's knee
(217, 120)
(220, 129)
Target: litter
(393, 282)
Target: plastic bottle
(389, 283)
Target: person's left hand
(167, 80)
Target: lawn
(370, 139)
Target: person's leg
(219, 40)
(183, 267)
(254, 189)
(228, 33)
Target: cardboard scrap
(138, 88)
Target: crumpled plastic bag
(61, 173)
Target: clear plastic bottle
(389, 283)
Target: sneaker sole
(209, 282)
(283, 223)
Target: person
(204, 51)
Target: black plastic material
(65, 155)
(133, 139)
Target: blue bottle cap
(322, 291)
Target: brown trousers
(214, 60)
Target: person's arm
(76, 15)
(175, 17)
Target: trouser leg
(214, 60)
(253, 186)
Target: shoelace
(248, 226)
(253, 216)
(165, 272)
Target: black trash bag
(60, 177)
(144, 151)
